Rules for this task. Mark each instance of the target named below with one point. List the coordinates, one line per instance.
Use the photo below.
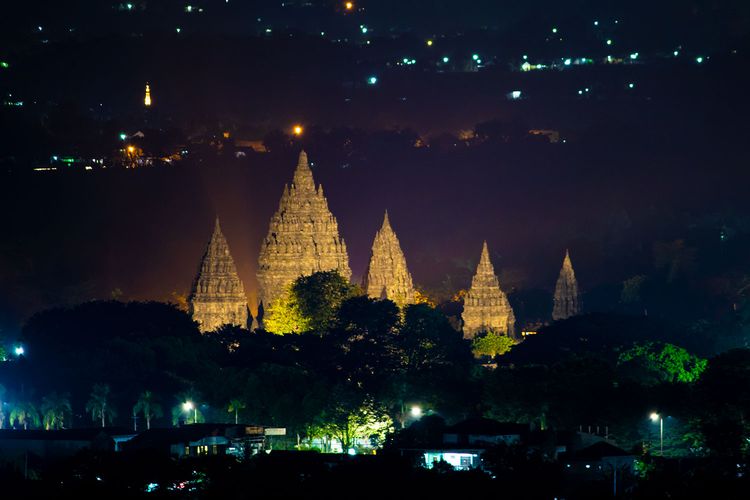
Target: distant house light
(516, 94)
(567, 62)
(445, 59)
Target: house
(201, 440)
(464, 443)
(54, 444)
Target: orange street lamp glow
(297, 130)
(349, 5)
(131, 149)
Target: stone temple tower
(218, 297)
(567, 301)
(486, 307)
(387, 276)
(303, 238)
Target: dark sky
(638, 166)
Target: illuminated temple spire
(147, 98)
(567, 298)
(218, 297)
(303, 237)
(486, 307)
(387, 276)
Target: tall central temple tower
(218, 297)
(486, 307)
(303, 237)
(387, 276)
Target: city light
(123, 136)
(297, 130)
(445, 59)
(187, 405)
(429, 43)
(4, 64)
(567, 62)
(609, 41)
(349, 5)
(516, 94)
(372, 80)
(634, 55)
(475, 57)
(131, 149)
(554, 30)
(351, 451)
(363, 28)
(654, 417)
(147, 98)
(631, 85)
(699, 59)
(178, 30)
(415, 411)
(19, 350)
(596, 23)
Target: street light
(416, 411)
(19, 350)
(655, 417)
(297, 130)
(187, 406)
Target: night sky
(636, 167)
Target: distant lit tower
(147, 98)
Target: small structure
(54, 444)
(201, 440)
(465, 442)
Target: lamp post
(187, 406)
(655, 417)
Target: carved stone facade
(387, 276)
(303, 238)
(218, 297)
(567, 301)
(486, 307)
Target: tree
(350, 416)
(319, 297)
(24, 414)
(235, 406)
(285, 316)
(655, 362)
(55, 408)
(99, 404)
(147, 405)
(491, 344)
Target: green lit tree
(491, 344)
(55, 410)
(148, 406)
(235, 406)
(650, 363)
(99, 404)
(351, 416)
(285, 316)
(24, 414)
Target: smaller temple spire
(486, 307)
(387, 276)
(567, 298)
(218, 296)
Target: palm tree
(24, 414)
(55, 407)
(147, 405)
(235, 406)
(99, 404)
